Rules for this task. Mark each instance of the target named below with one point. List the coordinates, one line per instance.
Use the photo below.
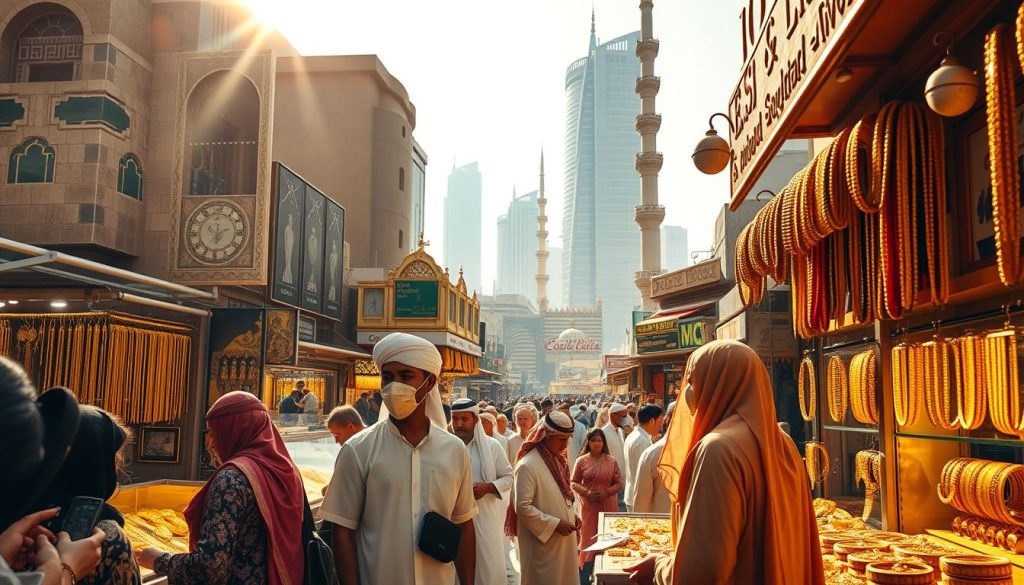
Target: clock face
(217, 231)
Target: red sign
(586, 345)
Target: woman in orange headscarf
(742, 510)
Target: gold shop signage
(707, 272)
(671, 335)
(794, 38)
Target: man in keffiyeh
(492, 481)
(543, 516)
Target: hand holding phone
(81, 517)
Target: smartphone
(81, 518)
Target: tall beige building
(143, 134)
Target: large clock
(216, 232)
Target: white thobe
(514, 444)
(383, 486)
(636, 443)
(617, 449)
(576, 441)
(649, 494)
(489, 524)
(546, 557)
(501, 441)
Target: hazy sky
(488, 82)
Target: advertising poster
(313, 252)
(334, 258)
(291, 198)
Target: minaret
(542, 243)
(649, 214)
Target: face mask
(626, 422)
(400, 399)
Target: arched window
(31, 162)
(48, 45)
(401, 179)
(222, 134)
(129, 176)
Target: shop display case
(648, 533)
(163, 501)
(314, 454)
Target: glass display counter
(314, 454)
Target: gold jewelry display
(938, 401)
(837, 389)
(970, 381)
(906, 392)
(6, 333)
(988, 490)
(132, 367)
(807, 389)
(817, 469)
(868, 470)
(1001, 375)
(1000, 104)
(864, 387)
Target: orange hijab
(728, 378)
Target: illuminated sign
(586, 345)
(671, 335)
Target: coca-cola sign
(582, 345)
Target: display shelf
(1015, 559)
(844, 429)
(960, 439)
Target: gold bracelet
(807, 392)
(66, 568)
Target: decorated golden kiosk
(901, 243)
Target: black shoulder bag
(319, 569)
(439, 537)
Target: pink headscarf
(246, 439)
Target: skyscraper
(517, 248)
(601, 242)
(675, 248)
(463, 215)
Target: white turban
(487, 469)
(418, 353)
(616, 407)
(490, 417)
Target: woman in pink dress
(596, 480)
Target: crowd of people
(428, 493)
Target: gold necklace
(1002, 151)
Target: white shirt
(616, 447)
(383, 486)
(576, 441)
(489, 524)
(312, 404)
(649, 493)
(636, 443)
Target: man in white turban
(617, 413)
(490, 423)
(492, 482)
(388, 477)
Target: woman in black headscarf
(90, 469)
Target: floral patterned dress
(593, 475)
(117, 561)
(232, 544)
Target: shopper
(90, 469)
(616, 442)
(245, 524)
(525, 416)
(289, 408)
(363, 407)
(542, 515)
(649, 417)
(344, 422)
(489, 422)
(309, 404)
(597, 480)
(35, 435)
(578, 439)
(492, 482)
(745, 512)
(649, 493)
(390, 476)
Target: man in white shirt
(649, 493)
(578, 438)
(490, 425)
(310, 404)
(616, 448)
(388, 477)
(492, 482)
(649, 418)
(503, 429)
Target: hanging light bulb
(712, 153)
(952, 89)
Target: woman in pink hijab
(245, 525)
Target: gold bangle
(66, 568)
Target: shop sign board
(705, 273)
(736, 329)
(639, 316)
(582, 345)
(438, 338)
(616, 362)
(309, 246)
(794, 39)
(416, 299)
(671, 335)
(307, 329)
